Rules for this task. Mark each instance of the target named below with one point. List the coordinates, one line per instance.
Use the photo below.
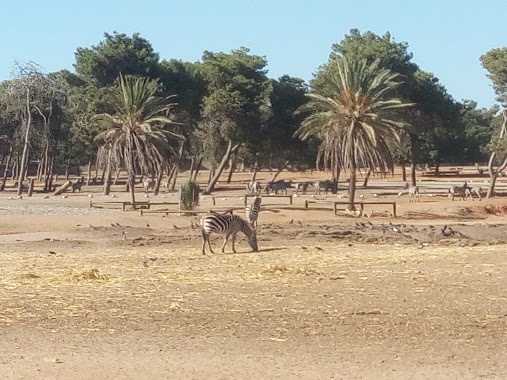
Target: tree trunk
(233, 165)
(256, 168)
(89, 172)
(132, 187)
(403, 172)
(366, 178)
(230, 150)
(67, 169)
(254, 174)
(62, 188)
(197, 169)
(117, 175)
(159, 181)
(352, 187)
(413, 159)
(106, 178)
(24, 156)
(493, 174)
(192, 168)
(6, 170)
(30, 188)
(175, 177)
(437, 169)
(280, 170)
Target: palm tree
(136, 136)
(354, 117)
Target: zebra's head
(252, 241)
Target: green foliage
(189, 195)
(235, 103)
(279, 143)
(118, 53)
(137, 136)
(354, 114)
(433, 107)
(495, 61)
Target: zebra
(254, 187)
(413, 192)
(477, 190)
(302, 186)
(326, 185)
(227, 225)
(148, 184)
(278, 186)
(252, 211)
(77, 185)
(459, 191)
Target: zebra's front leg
(209, 243)
(233, 241)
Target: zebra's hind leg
(205, 238)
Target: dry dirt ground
(102, 294)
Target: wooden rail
(361, 205)
(137, 205)
(167, 212)
(246, 196)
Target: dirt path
(309, 305)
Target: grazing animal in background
(77, 186)
(413, 192)
(470, 191)
(252, 211)
(148, 184)
(23, 186)
(254, 187)
(302, 186)
(278, 186)
(326, 186)
(458, 191)
(228, 225)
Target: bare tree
(494, 173)
(27, 86)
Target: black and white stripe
(413, 192)
(252, 211)
(227, 225)
(459, 192)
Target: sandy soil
(92, 293)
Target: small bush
(189, 195)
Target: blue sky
(446, 37)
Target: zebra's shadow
(262, 250)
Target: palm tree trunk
(352, 187)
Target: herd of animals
(229, 225)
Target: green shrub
(189, 197)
